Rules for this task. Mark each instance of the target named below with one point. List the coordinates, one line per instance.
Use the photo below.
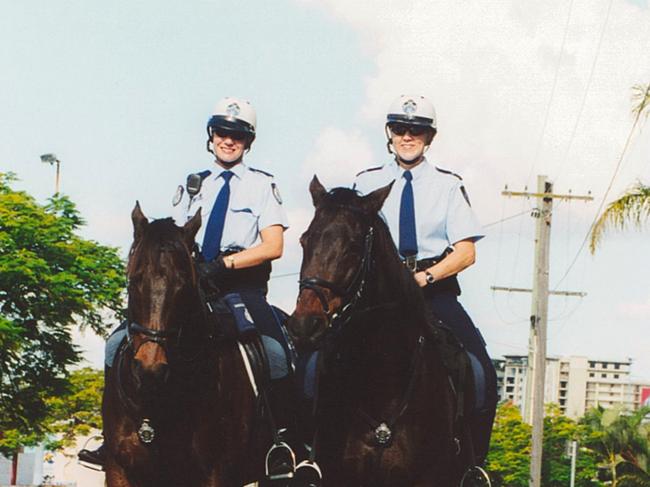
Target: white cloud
(489, 68)
(337, 156)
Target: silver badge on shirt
(276, 193)
(178, 196)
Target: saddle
(460, 365)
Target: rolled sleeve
(462, 223)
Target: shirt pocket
(243, 221)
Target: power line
(609, 187)
(590, 79)
(550, 100)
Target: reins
(352, 295)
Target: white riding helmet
(412, 110)
(233, 115)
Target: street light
(51, 159)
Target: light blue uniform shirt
(254, 205)
(443, 215)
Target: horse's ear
(373, 202)
(191, 227)
(317, 190)
(140, 221)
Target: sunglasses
(402, 128)
(233, 134)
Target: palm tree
(633, 207)
(620, 440)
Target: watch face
(430, 278)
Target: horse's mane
(160, 235)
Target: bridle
(352, 293)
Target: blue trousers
(445, 307)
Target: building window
(511, 380)
(615, 376)
(592, 364)
(604, 365)
(604, 376)
(591, 374)
(617, 366)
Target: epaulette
(446, 171)
(260, 171)
(204, 174)
(370, 169)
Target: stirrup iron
(281, 445)
(475, 477)
(308, 471)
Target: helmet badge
(233, 110)
(409, 107)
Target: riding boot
(281, 459)
(97, 456)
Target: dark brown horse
(385, 410)
(178, 408)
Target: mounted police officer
(435, 230)
(242, 232)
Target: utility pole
(536, 371)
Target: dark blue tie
(408, 244)
(214, 230)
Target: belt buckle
(411, 263)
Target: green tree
(508, 460)
(78, 411)
(51, 280)
(633, 208)
(556, 465)
(619, 439)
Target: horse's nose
(306, 328)
(151, 377)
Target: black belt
(415, 265)
(446, 285)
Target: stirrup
(287, 469)
(475, 477)
(308, 474)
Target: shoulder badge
(178, 196)
(260, 171)
(446, 171)
(377, 168)
(276, 193)
(464, 191)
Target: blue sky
(121, 91)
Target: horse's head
(337, 249)
(162, 291)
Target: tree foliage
(508, 460)
(633, 207)
(51, 280)
(78, 411)
(620, 441)
(556, 465)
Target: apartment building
(576, 384)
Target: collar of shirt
(417, 171)
(238, 170)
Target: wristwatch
(430, 278)
(231, 262)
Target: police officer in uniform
(242, 232)
(243, 224)
(435, 230)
